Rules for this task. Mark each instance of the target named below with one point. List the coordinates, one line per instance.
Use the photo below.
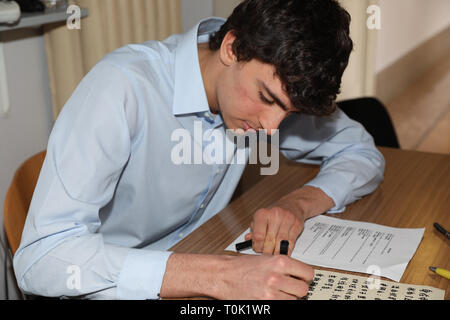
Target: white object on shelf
(9, 11)
(4, 98)
(37, 19)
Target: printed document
(353, 246)
(329, 285)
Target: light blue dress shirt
(109, 201)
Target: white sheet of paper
(354, 246)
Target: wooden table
(415, 194)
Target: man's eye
(264, 99)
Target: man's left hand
(285, 219)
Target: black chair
(372, 114)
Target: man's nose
(274, 121)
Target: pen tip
(433, 269)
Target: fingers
(290, 277)
(294, 233)
(270, 227)
(282, 287)
(284, 232)
(265, 230)
(269, 277)
(303, 271)
(259, 229)
(293, 287)
(273, 227)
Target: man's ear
(227, 56)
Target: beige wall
(359, 77)
(192, 11)
(406, 24)
(223, 8)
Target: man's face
(250, 96)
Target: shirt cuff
(337, 188)
(142, 274)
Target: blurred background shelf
(36, 19)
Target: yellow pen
(442, 272)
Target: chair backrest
(18, 198)
(374, 116)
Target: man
(110, 201)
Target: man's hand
(268, 278)
(247, 277)
(285, 219)
(271, 226)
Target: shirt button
(181, 235)
(201, 207)
(218, 171)
(207, 115)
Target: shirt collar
(190, 95)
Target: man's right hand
(244, 277)
(268, 277)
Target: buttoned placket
(217, 174)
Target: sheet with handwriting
(353, 246)
(329, 285)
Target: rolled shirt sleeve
(351, 165)
(61, 254)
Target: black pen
(244, 245)
(284, 246)
(442, 230)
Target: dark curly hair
(307, 41)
